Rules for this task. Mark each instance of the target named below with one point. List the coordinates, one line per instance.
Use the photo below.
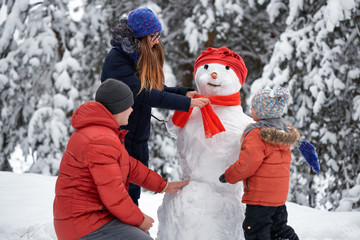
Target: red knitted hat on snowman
(223, 56)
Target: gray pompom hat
(115, 95)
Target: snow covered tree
(254, 35)
(194, 26)
(317, 59)
(176, 47)
(49, 65)
(36, 71)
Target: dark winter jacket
(264, 166)
(119, 65)
(94, 176)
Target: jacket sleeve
(178, 90)
(250, 158)
(163, 99)
(118, 67)
(143, 176)
(106, 173)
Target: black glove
(222, 178)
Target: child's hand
(222, 178)
(174, 187)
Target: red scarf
(212, 123)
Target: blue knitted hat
(270, 103)
(143, 22)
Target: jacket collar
(278, 123)
(280, 137)
(134, 56)
(275, 131)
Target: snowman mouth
(213, 85)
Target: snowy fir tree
(51, 62)
(37, 76)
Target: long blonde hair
(150, 66)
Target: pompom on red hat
(223, 56)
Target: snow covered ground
(26, 212)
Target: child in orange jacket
(264, 167)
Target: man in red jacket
(92, 199)
(264, 168)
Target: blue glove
(309, 153)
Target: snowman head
(219, 72)
(215, 79)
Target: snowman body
(206, 208)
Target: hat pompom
(269, 103)
(282, 93)
(309, 153)
(125, 37)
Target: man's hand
(147, 224)
(174, 187)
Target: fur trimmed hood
(122, 35)
(279, 137)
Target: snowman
(208, 142)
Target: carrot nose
(214, 75)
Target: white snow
(321, 99)
(76, 9)
(3, 81)
(274, 8)
(193, 35)
(327, 136)
(354, 73)
(26, 212)
(12, 21)
(295, 6)
(170, 79)
(3, 14)
(337, 10)
(356, 107)
(351, 196)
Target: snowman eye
(227, 67)
(206, 66)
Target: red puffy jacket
(264, 166)
(95, 171)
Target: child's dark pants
(267, 223)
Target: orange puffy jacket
(95, 171)
(264, 166)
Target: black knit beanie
(115, 95)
